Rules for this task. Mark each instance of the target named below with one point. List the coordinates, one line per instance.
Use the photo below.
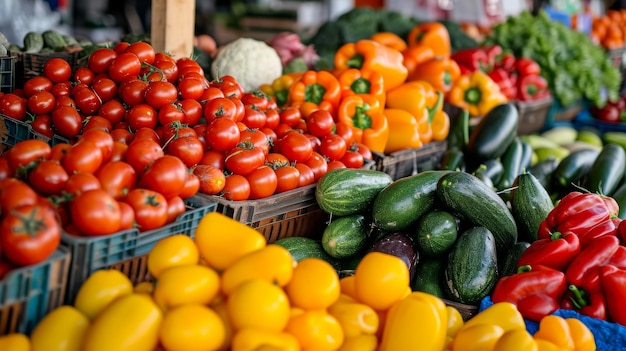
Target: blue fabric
(608, 336)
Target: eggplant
(401, 245)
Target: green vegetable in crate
(436, 233)
(508, 265)
(345, 236)
(347, 191)
(429, 276)
(471, 269)
(53, 40)
(530, 205)
(493, 134)
(33, 42)
(303, 247)
(472, 200)
(403, 202)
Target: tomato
(335, 164)
(142, 116)
(222, 134)
(113, 110)
(333, 147)
(263, 182)
(87, 101)
(37, 83)
(166, 175)
(143, 50)
(84, 156)
(364, 151)
(97, 123)
(16, 193)
(253, 117)
(65, 101)
(188, 326)
(345, 131)
(212, 179)
(117, 178)
(167, 65)
(61, 89)
(236, 188)
(210, 93)
(220, 108)
(188, 149)
(213, 158)
(244, 158)
(170, 113)
(66, 121)
(83, 75)
(29, 234)
(257, 138)
(193, 111)
(318, 164)
(81, 182)
(5, 169)
(121, 47)
(27, 151)
(256, 98)
(102, 139)
(307, 176)
(320, 123)
(296, 147)
(123, 66)
(121, 135)
(229, 86)
(105, 88)
(57, 70)
(13, 106)
(191, 88)
(127, 216)
(172, 251)
(58, 151)
(160, 93)
(353, 159)
(101, 60)
(288, 178)
(132, 91)
(315, 141)
(290, 116)
(147, 133)
(48, 177)
(150, 208)
(61, 329)
(175, 207)
(95, 212)
(192, 186)
(142, 152)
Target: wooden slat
(172, 26)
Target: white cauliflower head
(252, 62)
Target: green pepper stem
(473, 95)
(361, 86)
(579, 296)
(355, 61)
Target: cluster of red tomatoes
(239, 144)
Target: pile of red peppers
(518, 78)
(578, 262)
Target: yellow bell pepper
(355, 318)
(455, 321)
(364, 342)
(417, 322)
(366, 119)
(583, 337)
(477, 93)
(403, 131)
(251, 339)
(15, 342)
(503, 314)
(516, 339)
(565, 333)
(477, 337)
(280, 86)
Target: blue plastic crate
(20, 131)
(586, 120)
(27, 294)
(125, 251)
(7, 74)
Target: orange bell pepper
(440, 72)
(432, 34)
(362, 82)
(390, 39)
(440, 125)
(366, 119)
(279, 88)
(416, 55)
(319, 88)
(372, 55)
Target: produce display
(239, 201)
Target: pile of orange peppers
(388, 90)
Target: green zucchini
(497, 129)
(573, 168)
(53, 39)
(436, 233)
(607, 170)
(303, 247)
(620, 197)
(33, 42)
(472, 200)
(345, 236)
(471, 269)
(403, 202)
(511, 162)
(508, 266)
(543, 171)
(492, 168)
(347, 191)
(530, 205)
(458, 136)
(453, 160)
(429, 276)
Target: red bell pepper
(594, 255)
(621, 232)
(590, 303)
(507, 62)
(502, 77)
(608, 227)
(527, 67)
(493, 54)
(532, 87)
(535, 290)
(577, 212)
(473, 59)
(555, 252)
(619, 258)
(613, 282)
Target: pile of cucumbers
(48, 41)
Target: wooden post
(172, 26)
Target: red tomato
(58, 151)
(263, 182)
(160, 93)
(253, 118)
(66, 101)
(122, 135)
(318, 164)
(119, 151)
(37, 83)
(66, 121)
(117, 178)
(127, 216)
(255, 137)
(95, 212)
(335, 164)
(276, 159)
(167, 65)
(97, 123)
(29, 234)
(48, 177)
(16, 193)
(13, 106)
(288, 178)
(123, 66)
(222, 134)
(147, 133)
(220, 108)
(113, 110)
(57, 70)
(192, 186)
(142, 152)
(81, 182)
(87, 101)
(143, 50)
(290, 116)
(296, 147)
(236, 188)
(345, 131)
(188, 149)
(229, 86)
(166, 175)
(191, 88)
(100, 60)
(244, 158)
(320, 123)
(102, 139)
(142, 116)
(132, 91)
(177, 130)
(61, 89)
(270, 134)
(307, 176)
(333, 147)
(256, 98)
(281, 130)
(365, 151)
(192, 110)
(150, 208)
(213, 158)
(5, 169)
(209, 94)
(27, 151)
(240, 108)
(352, 159)
(170, 113)
(121, 47)
(105, 88)
(84, 156)
(212, 179)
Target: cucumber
(471, 199)
(458, 136)
(303, 247)
(53, 39)
(508, 266)
(471, 269)
(436, 233)
(429, 276)
(493, 169)
(620, 197)
(345, 236)
(403, 202)
(347, 191)
(453, 160)
(573, 168)
(543, 171)
(497, 129)
(607, 170)
(530, 205)
(511, 163)
(33, 42)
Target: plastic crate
(27, 294)
(126, 251)
(532, 115)
(20, 131)
(586, 120)
(292, 213)
(560, 113)
(407, 162)
(616, 56)
(29, 65)
(7, 74)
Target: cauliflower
(252, 62)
